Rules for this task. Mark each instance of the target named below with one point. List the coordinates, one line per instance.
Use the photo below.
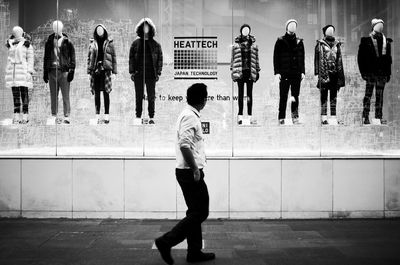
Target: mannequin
(145, 66)
(19, 71)
(289, 67)
(245, 69)
(102, 63)
(328, 66)
(375, 63)
(58, 69)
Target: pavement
(109, 241)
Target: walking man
(190, 161)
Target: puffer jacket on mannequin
(20, 62)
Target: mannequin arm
(316, 60)
(30, 59)
(114, 59)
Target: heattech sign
(195, 57)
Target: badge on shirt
(205, 126)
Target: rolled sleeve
(186, 134)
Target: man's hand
(196, 175)
(303, 76)
(278, 77)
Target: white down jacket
(20, 61)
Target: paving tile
(82, 242)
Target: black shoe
(106, 121)
(165, 251)
(325, 122)
(66, 122)
(366, 121)
(383, 122)
(151, 121)
(282, 122)
(199, 257)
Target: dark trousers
(249, 84)
(20, 93)
(99, 84)
(330, 88)
(379, 84)
(139, 92)
(58, 81)
(286, 83)
(197, 201)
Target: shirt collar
(194, 110)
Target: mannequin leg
(380, 86)
(54, 90)
(240, 96)
(283, 96)
(139, 94)
(249, 97)
(295, 89)
(17, 99)
(369, 88)
(65, 89)
(324, 101)
(25, 99)
(151, 96)
(97, 101)
(333, 100)
(106, 97)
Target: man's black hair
(196, 94)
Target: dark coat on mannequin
(155, 49)
(287, 60)
(370, 64)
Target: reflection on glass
(280, 54)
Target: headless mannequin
(246, 79)
(58, 27)
(377, 34)
(106, 96)
(329, 37)
(19, 93)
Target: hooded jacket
(20, 62)
(328, 62)
(67, 55)
(370, 63)
(109, 60)
(236, 59)
(289, 60)
(155, 49)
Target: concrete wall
(239, 188)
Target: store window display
(145, 66)
(240, 93)
(328, 66)
(59, 69)
(375, 63)
(102, 64)
(245, 68)
(289, 67)
(19, 71)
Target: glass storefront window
(229, 45)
